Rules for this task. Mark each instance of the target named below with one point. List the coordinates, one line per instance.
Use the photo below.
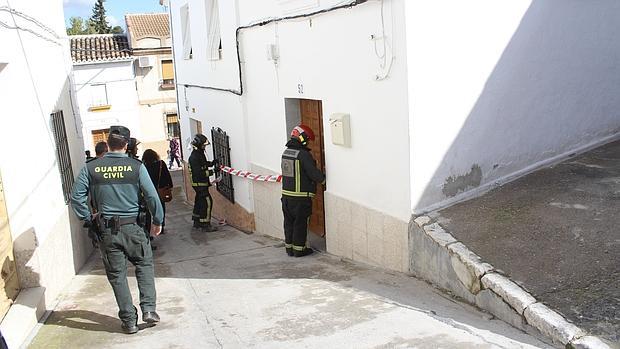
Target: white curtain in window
(213, 27)
(98, 95)
(186, 32)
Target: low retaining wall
(438, 257)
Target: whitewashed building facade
(105, 85)
(150, 43)
(42, 244)
(418, 104)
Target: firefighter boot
(208, 228)
(306, 251)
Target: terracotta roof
(154, 25)
(99, 48)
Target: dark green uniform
(116, 183)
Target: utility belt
(115, 222)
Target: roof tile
(141, 26)
(99, 48)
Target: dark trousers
(129, 243)
(149, 220)
(203, 205)
(172, 158)
(296, 211)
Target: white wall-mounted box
(340, 126)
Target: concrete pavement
(232, 290)
(555, 232)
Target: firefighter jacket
(299, 172)
(199, 168)
(115, 182)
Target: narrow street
(232, 290)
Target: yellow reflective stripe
(297, 177)
(209, 203)
(288, 245)
(298, 248)
(200, 184)
(296, 194)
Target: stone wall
(365, 235)
(234, 214)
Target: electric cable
(239, 91)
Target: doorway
(310, 112)
(9, 283)
(100, 136)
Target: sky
(115, 9)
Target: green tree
(76, 26)
(80, 26)
(98, 19)
(117, 30)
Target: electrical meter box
(340, 126)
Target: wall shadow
(554, 89)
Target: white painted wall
(122, 96)
(154, 104)
(212, 108)
(49, 243)
(506, 86)
(344, 79)
(373, 172)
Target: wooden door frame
(318, 131)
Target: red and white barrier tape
(251, 176)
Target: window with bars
(221, 152)
(63, 155)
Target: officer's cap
(120, 131)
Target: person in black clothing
(101, 148)
(158, 171)
(199, 173)
(299, 178)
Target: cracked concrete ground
(231, 290)
(556, 232)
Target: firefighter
(299, 178)
(199, 173)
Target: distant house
(104, 80)
(42, 244)
(150, 42)
(416, 104)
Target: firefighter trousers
(297, 212)
(203, 205)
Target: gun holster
(95, 230)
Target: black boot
(289, 251)
(306, 251)
(150, 317)
(209, 228)
(129, 328)
(197, 225)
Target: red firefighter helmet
(302, 133)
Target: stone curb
(475, 275)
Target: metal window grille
(221, 152)
(62, 153)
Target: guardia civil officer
(199, 173)
(299, 179)
(116, 182)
